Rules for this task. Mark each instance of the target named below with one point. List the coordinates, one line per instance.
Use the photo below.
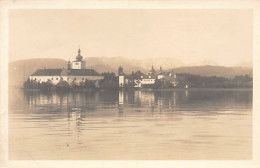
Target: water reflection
(137, 100)
(168, 124)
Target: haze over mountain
(104, 64)
(19, 71)
(208, 70)
(22, 69)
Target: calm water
(194, 124)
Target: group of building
(147, 80)
(76, 72)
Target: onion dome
(79, 57)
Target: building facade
(76, 73)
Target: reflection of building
(121, 101)
(121, 97)
(76, 72)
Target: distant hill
(21, 70)
(165, 62)
(105, 64)
(215, 71)
(130, 64)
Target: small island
(77, 77)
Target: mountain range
(20, 70)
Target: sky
(222, 36)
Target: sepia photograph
(129, 84)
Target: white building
(138, 83)
(76, 72)
(148, 80)
(121, 80)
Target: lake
(131, 125)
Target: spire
(120, 70)
(79, 51)
(79, 57)
(69, 64)
(153, 71)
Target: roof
(83, 72)
(78, 61)
(47, 72)
(65, 72)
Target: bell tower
(78, 63)
(69, 64)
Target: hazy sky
(221, 35)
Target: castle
(76, 73)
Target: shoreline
(140, 89)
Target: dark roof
(47, 72)
(78, 61)
(65, 72)
(83, 72)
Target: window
(75, 78)
(57, 78)
(83, 79)
(51, 78)
(76, 63)
(68, 78)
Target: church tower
(69, 64)
(78, 63)
(120, 71)
(121, 77)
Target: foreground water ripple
(140, 124)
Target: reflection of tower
(121, 101)
(138, 97)
(74, 123)
(174, 99)
(61, 99)
(151, 99)
(186, 94)
(160, 104)
(121, 97)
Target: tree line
(110, 82)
